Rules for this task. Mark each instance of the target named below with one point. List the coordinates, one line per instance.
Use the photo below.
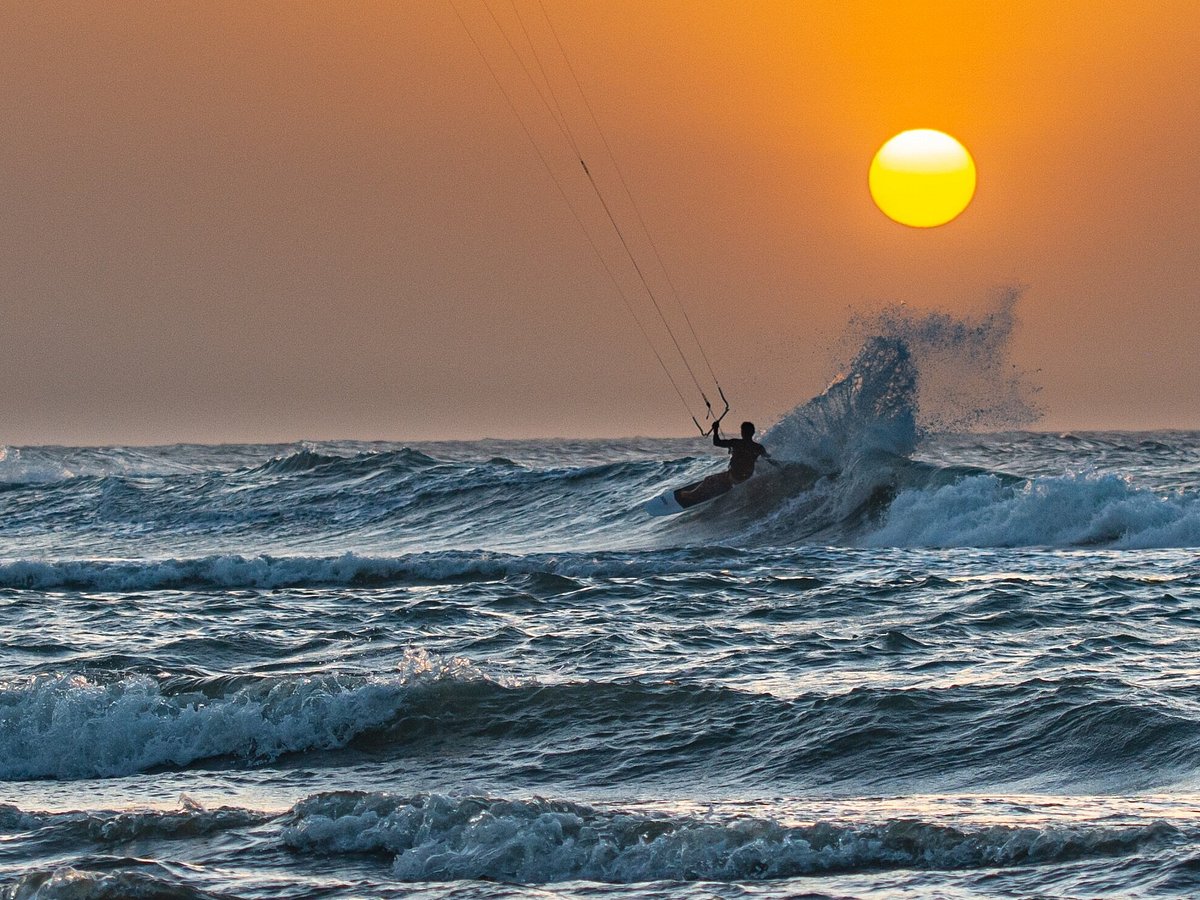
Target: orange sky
(270, 221)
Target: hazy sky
(270, 221)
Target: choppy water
(959, 666)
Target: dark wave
(331, 465)
(1056, 734)
(348, 570)
(120, 878)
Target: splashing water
(967, 378)
(914, 374)
(872, 407)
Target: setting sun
(922, 178)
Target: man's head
(747, 430)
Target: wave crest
(349, 569)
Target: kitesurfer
(743, 454)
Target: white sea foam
(1079, 510)
(70, 726)
(46, 465)
(16, 469)
(439, 838)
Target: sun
(922, 178)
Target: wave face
(1069, 733)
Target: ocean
(901, 663)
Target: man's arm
(762, 451)
(719, 441)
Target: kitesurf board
(664, 504)
(667, 503)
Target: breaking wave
(439, 838)
(854, 474)
(1068, 511)
(73, 726)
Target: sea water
(898, 664)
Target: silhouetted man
(743, 454)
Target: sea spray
(966, 379)
(871, 407)
(912, 373)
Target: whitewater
(916, 659)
